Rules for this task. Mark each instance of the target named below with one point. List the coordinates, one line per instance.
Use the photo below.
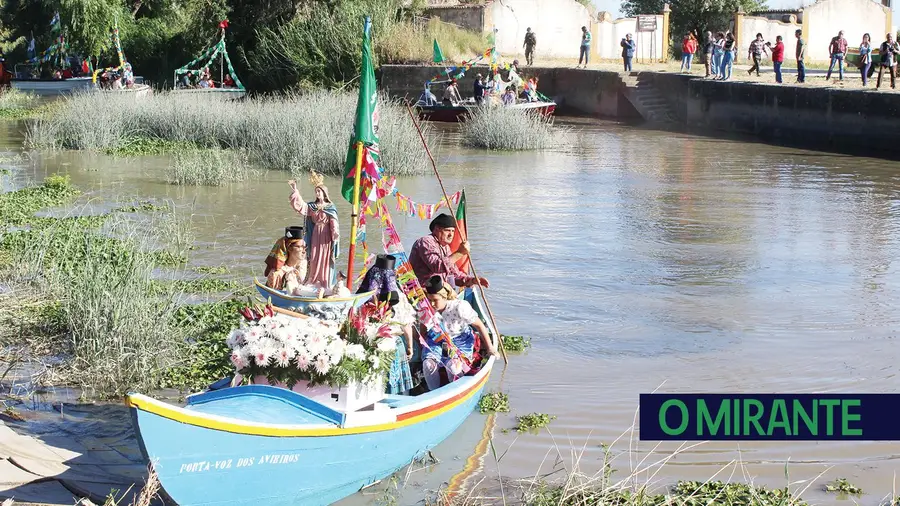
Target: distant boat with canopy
(71, 73)
(433, 108)
(229, 84)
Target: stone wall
(465, 16)
(823, 19)
(609, 33)
(556, 24)
(749, 26)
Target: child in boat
(339, 290)
(401, 317)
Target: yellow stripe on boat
(164, 410)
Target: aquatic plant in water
(503, 128)
(516, 343)
(532, 422)
(309, 130)
(209, 167)
(494, 402)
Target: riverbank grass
(286, 132)
(496, 127)
(15, 104)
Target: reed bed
(15, 103)
(98, 275)
(501, 128)
(308, 131)
(209, 167)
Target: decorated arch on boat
(208, 57)
(124, 66)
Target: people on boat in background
(513, 77)
(128, 76)
(228, 82)
(478, 89)
(431, 256)
(451, 94)
(427, 98)
(291, 273)
(459, 319)
(322, 232)
(509, 97)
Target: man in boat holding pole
(431, 256)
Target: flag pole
(355, 215)
(471, 263)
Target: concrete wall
(823, 20)
(556, 24)
(751, 25)
(468, 17)
(609, 33)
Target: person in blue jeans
(718, 54)
(865, 57)
(777, 57)
(627, 51)
(585, 47)
(837, 49)
(801, 53)
(728, 56)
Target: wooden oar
(461, 233)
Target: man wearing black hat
(431, 255)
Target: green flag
(365, 126)
(438, 55)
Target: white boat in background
(56, 87)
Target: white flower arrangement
(287, 349)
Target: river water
(636, 260)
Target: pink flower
(283, 358)
(302, 361)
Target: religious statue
(321, 232)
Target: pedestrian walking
(585, 47)
(530, 43)
(800, 54)
(836, 50)
(756, 50)
(627, 51)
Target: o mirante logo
(775, 417)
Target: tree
(87, 24)
(693, 16)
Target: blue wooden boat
(260, 444)
(304, 305)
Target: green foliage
(15, 104)
(18, 207)
(516, 343)
(533, 422)
(143, 146)
(88, 24)
(494, 402)
(843, 486)
(207, 356)
(211, 269)
(209, 167)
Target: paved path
(80, 455)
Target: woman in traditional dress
(322, 232)
(289, 276)
(458, 318)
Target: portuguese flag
(462, 263)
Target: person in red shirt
(777, 57)
(688, 48)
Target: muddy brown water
(635, 260)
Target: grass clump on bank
(310, 130)
(503, 128)
(208, 167)
(144, 146)
(15, 104)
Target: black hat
(386, 262)
(390, 297)
(434, 285)
(293, 233)
(443, 220)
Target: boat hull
(305, 305)
(456, 114)
(49, 87)
(197, 465)
(227, 93)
